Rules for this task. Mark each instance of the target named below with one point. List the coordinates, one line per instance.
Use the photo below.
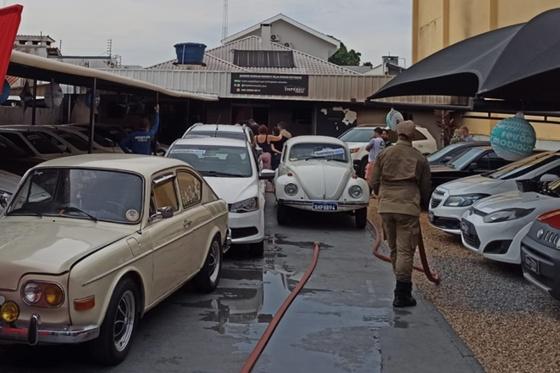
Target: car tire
(362, 168)
(360, 217)
(257, 249)
(209, 276)
(124, 304)
(282, 215)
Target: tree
(345, 57)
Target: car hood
(320, 179)
(529, 200)
(47, 245)
(352, 145)
(234, 189)
(474, 184)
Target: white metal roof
(291, 21)
(315, 140)
(40, 68)
(142, 164)
(208, 141)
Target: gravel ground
(510, 325)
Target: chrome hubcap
(214, 261)
(123, 324)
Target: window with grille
(251, 58)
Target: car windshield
(357, 135)
(464, 159)
(447, 151)
(44, 143)
(10, 150)
(80, 193)
(523, 166)
(307, 151)
(221, 134)
(74, 140)
(99, 139)
(215, 160)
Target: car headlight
(247, 205)
(291, 189)
(463, 200)
(507, 215)
(354, 150)
(9, 312)
(355, 191)
(42, 294)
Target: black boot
(403, 295)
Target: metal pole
(92, 115)
(34, 104)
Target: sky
(143, 32)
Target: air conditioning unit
(289, 45)
(275, 38)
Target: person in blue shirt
(141, 141)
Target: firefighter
(402, 181)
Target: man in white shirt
(374, 147)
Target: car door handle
(187, 223)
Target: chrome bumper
(227, 242)
(33, 334)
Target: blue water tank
(190, 53)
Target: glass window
(74, 140)
(44, 143)
(418, 136)
(164, 194)
(465, 159)
(308, 151)
(357, 135)
(18, 141)
(190, 189)
(215, 160)
(9, 150)
(81, 193)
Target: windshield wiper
(220, 174)
(313, 157)
(77, 209)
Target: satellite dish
(5, 92)
(393, 118)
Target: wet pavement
(341, 322)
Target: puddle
(279, 239)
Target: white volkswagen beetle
(316, 174)
(90, 243)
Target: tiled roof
(221, 59)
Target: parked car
(475, 161)
(220, 130)
(540, 253)
(358, 137)
(15, 159)
(230, 167)
(101, 144)
(8, 185)
(92, 242)
(448, 153)
(62, 144)
(495, 226)
(316, 174)
(450, 200)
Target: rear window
(357, 135)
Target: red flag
(9, 23)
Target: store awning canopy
(39, 68)
(519, 63)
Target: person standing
(141, 141)
(386, 139)
(278, 146)
(402, 182)
(374, 147)
(264, 140)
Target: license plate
(532, 264)
(326, 206)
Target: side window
(490, 161)
(554, 171)
(190, 189)
(164, 194)
(418, 136)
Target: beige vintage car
(89, 243)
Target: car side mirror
(4, 199)
(546, 178)
(162, 213)
(267, 174)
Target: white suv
(231, 169)
(358, 137)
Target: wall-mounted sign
(269, 84)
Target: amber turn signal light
(84, 304)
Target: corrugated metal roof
(221, 59)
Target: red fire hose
(432, 276)
(263, 341)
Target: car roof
(142, 164)
(315, 139)
(220, 141)
(217, 127)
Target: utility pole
(225, 20)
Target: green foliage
(345, 57)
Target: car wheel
(282, 214)
(119, 325)
(361, 218)
(209, 276)
(257, 249)
(362, 168)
